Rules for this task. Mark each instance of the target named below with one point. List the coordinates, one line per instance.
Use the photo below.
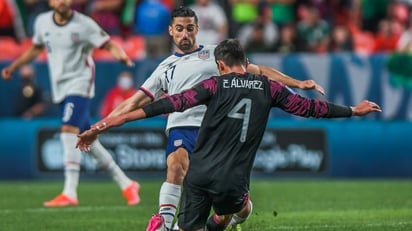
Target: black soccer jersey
(238, 106)
(231, 132)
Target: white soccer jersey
(69, 48)
(180, 72)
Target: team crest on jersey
(204, 54)
(75, 37)
(178, 143)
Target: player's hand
(128, 62)
(365, 107)
(85, 139)
(88, 137)
(6, 73)
(311, 84)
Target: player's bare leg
(72, 158)
(170, 191)
(229, 222)
(130, 189)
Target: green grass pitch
(279, 204)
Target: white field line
(67, 209)
(319, 227)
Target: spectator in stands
(242, 12)
(107, 14)
(312, 31)
(283, 12)
(119, 93)
(404, 44)
(398, 14)
(342, 13)
(152, 22)
(80, 5)
(11, 23)
(372, 11)
(30, 101)
(287, 40)
(213, 25)
(341, 40)
(127, 17)
(33, 8)
(170, 4)
(385, 39)
(259, 35)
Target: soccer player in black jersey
(238, 105)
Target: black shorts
(196, 203)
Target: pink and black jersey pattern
(238, 107)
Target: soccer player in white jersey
(190, 64)
(69, 38)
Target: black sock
(211, 225)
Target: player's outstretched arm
(278, 76)
(138, 100)
(118, 53)
(26, 57)
(173, 103)
(88, 137)
(116, 118)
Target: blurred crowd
(281, 26)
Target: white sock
(105, 161)
(239, 220)
(168, 201)
(72, 157)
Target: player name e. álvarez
(243, 83)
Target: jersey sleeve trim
(104, 43)
(148, 93)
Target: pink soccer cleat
(61, 200)
(131, 193)
(156, 223)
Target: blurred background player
(190, 64)
(69, 37)
(238, 106)
(30, 100)
(124, 88)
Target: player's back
(231, 130)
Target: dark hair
(183, 11)
(230, 52)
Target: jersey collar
(68, 21)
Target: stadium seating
(9, 48)
(134, 46)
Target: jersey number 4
(245, 116)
